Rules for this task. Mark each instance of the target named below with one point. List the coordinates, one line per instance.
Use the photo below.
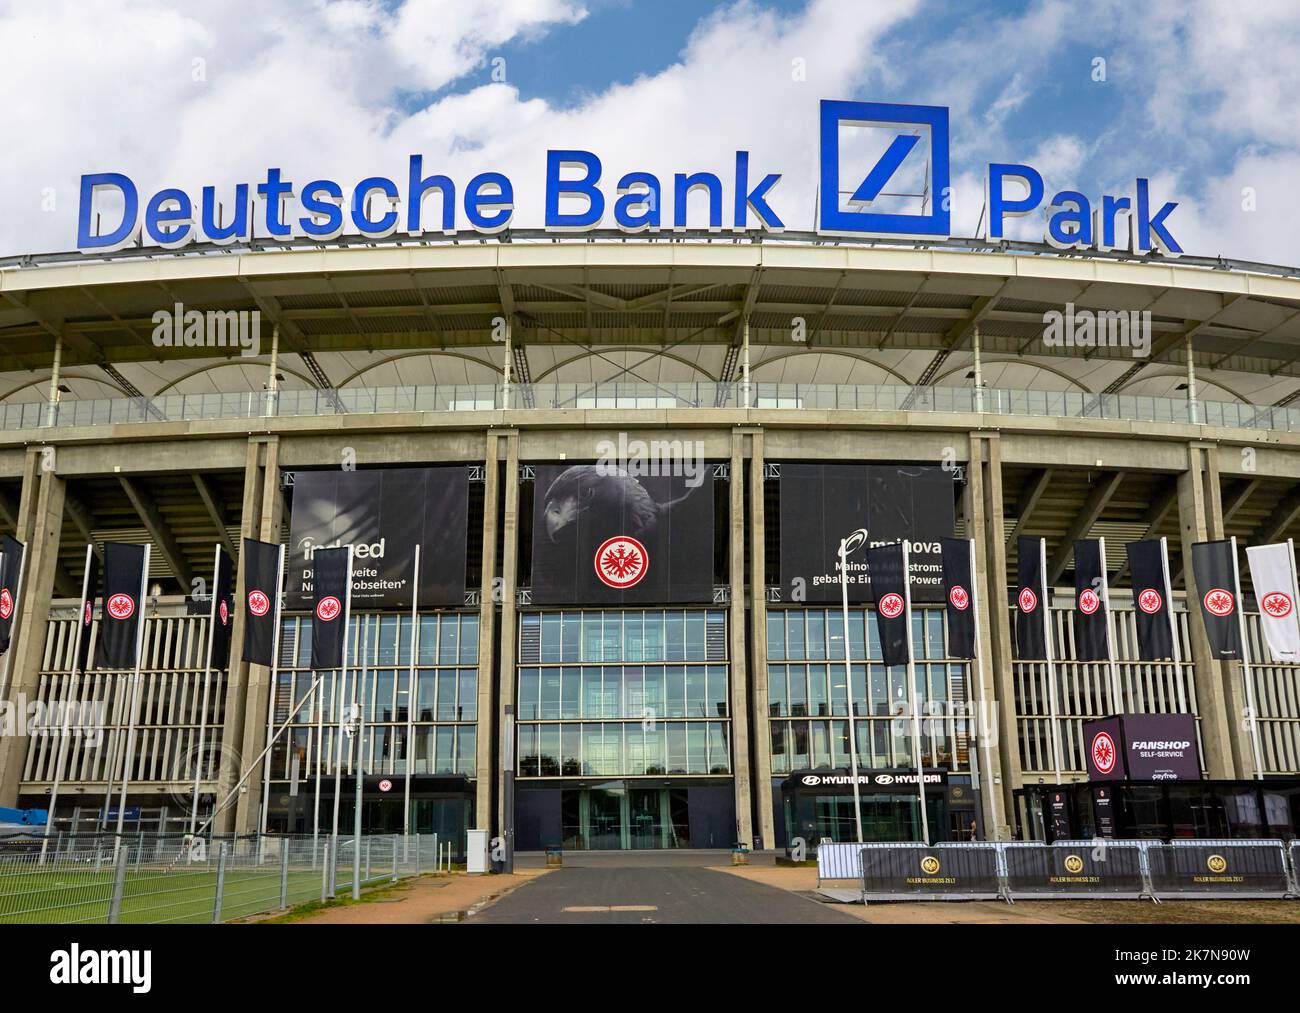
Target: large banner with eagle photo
(602, 536)
(821, 504)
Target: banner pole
(253, 766)
(70, 694)
(1169, 603)
(359, 749)
(848, 680)
(410, 693)
(977, 671)
(1246, 672)
(13, 625)
(135, 700)
(1116, 686)
(341, 696)
(207, 675)
(911, 688)
(1046, 604)
(275, 676)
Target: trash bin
(740, 855)
(554, 858)
(476, 852)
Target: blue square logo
(864, 184)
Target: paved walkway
(650, 894)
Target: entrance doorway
(614, 819)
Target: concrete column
(760, 711)
(1231, 673)
(995, 628)
(509, 633)
(1200, 512)
(270, 518)
(488, 593)
(235, 753)
(984, 681)
(740, 755)
(40, 524)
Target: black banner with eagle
(604, 534)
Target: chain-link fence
(159, 880)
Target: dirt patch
(423, 900)
(1110, 912)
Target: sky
(1197, 95)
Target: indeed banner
(383, 514)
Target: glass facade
(808, 693)
(623, 694)
(422, 726)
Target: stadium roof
(662, 308)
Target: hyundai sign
(860, 195)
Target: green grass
(152, 894)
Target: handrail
(644, 396)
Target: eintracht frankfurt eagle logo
(258, 603)
(328, 609)
(1103, 752)
(1277, 604)
(1089, 601)
(6, 603)
(121, 606)
(1028, 600)
(621, 562)
(1150, 602)
(959, 598)
(891, 606)
(1218, 602)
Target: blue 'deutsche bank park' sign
(576, 200)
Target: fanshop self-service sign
(1142, 747)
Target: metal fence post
(284, 874)
(1144, 864)
(119, 887)
(366, 878)
(394, 842)
(221, 883)
(325, 871)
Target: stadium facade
(708, 707)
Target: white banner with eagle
(1273, 572)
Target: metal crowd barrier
(1095, 869)
(839, 861)
(968, 871)
(1100, 868)
(1218, 868)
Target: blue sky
(1198, 95)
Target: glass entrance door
(605, 820)
(647, 826)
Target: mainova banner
(383, 514)
(822, 504)
(604, 536)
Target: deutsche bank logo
(866, 183)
